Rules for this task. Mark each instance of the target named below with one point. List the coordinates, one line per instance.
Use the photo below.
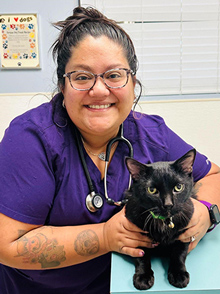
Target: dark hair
(83, 22)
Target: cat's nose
(168, 207)
(168, 203)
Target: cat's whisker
(153, 226)
(148, 218)
(148, 210)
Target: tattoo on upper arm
(86, 243)
(40, 249)
(198, 185)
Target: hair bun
(89, 13)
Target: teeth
(99, 106)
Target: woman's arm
(28, 246)
(209, 186)
(208, 189)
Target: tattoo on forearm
(40, 249)
(87, 243)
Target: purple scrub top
(42, 182)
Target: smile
(99, 106)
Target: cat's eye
(151, 190)
(178, 188)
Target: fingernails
(141, 253)
(154, 245)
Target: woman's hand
(198, 225)
(208, 189)
(122, 236)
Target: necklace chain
(100, 155)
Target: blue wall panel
(44, 79)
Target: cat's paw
(179, 279)
(143, 281)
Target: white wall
(12, 105)
(196, 121)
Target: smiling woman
(102, 108)
(45, 222)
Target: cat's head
(162, 186)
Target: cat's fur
(173, 206)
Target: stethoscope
(94, 201)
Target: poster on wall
(19, 41)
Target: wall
(196, 121)
(38, 80)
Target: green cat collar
(170, 225)
(157, 216)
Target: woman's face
(100, 110)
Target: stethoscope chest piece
(94, 202)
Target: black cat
(159, 203)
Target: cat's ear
(186, 161)
(135, 167)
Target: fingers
(124, 237)
(190, 236)
(133, 252)
(193, 245)
(137, 252)
(131, 246)
(197, 226)
(136, 237)
(129, 226)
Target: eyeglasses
(84, 80)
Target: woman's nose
(100, 88)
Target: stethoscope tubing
(80, 150)
(118, 138)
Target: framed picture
(19, 41)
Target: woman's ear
(134, 80)
(62, 87)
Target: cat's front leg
(177, 273)
(144, 276)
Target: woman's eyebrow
(88, 68)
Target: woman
(50, 241)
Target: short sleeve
(27, 183)
(157, 142)
(178, 147)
